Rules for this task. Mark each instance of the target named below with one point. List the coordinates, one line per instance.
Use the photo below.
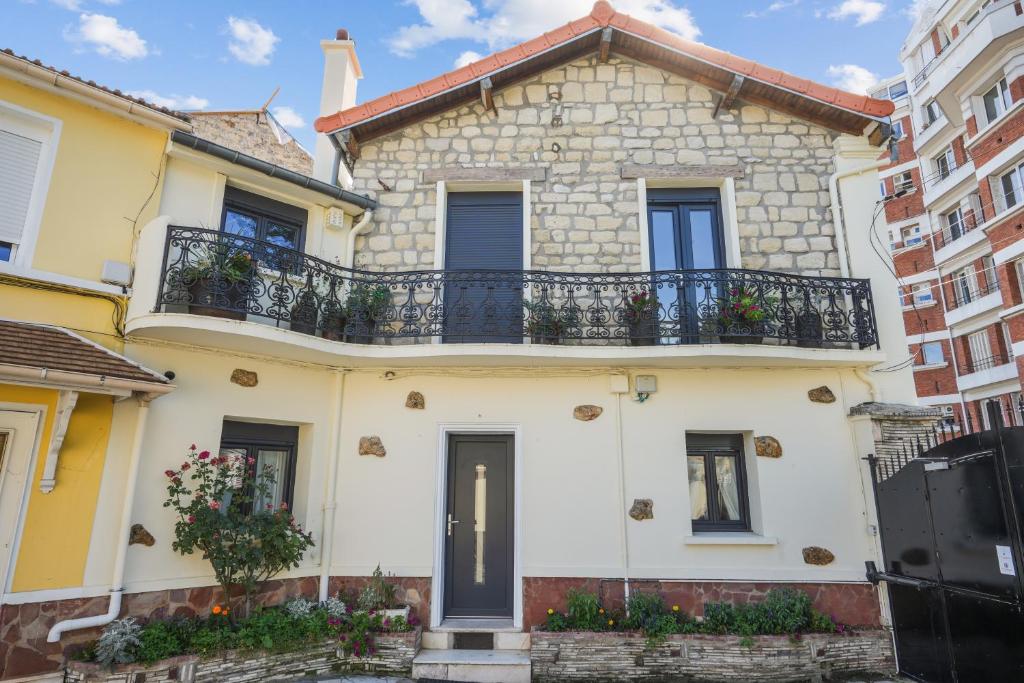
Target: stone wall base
(596, 657)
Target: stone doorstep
(503, 640)
(478, 666)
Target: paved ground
(391, 679)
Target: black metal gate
(949, 511)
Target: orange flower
(600, 611)
(216, 609)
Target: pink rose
(192, 447)
(185, 466)
(170, 473)
(191, 519)
(204, 455)
(215, 505)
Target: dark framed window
(269, 446)
(718, 482)
(260, 218)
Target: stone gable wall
(249, 132)
(584, 214)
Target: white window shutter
(19, 161)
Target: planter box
(624, 657)
(395, 652)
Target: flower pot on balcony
(808, 329)
(335, 320)
(643, 332)
(305, 314)
(218, 297)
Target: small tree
(217, 517)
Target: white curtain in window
(274, 461)
(728, 487)
(19, 159)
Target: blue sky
(232, 54)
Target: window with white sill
(931, 113)
(717, 474)
(903, 182)
(1009, 191)
(954, 228)
(996, 100)
(921, 293)
(931, 353)
(911, 235)
(944, 164)
(965, 285)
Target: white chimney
(341, 75)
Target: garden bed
(620, 656)
(393, 655)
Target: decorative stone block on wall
(139, 536)
(617, 117)
(767, 447)
(586, 413)
(818, 556)
(244, 378)
(372, 445)
(821, 394)
(560, 657)
(394, 655)
(415, 401)
(643, 508)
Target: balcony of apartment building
(985, 368)
(958, 228)
(980, 33)
(945, 175)
(970, 295)
(226, 291)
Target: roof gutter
(102, 384)
(274, 171)
(121, 105)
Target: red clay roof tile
(603, 15)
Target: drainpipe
(864, 376)
(623, 534)
(330, 507)
(358, 229)
(837, 210)
(124, 530)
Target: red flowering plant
(744, 307)
(219, 500)
(640, 306)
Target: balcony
(940, 183)
(980, 372)
(965, 303)
(950, 241)
(241, 286)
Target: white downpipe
(873, 388)
(124, 530)
(357, 229)
(837, 210)
(331, 505)
(623, 533)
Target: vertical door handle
(451, 523)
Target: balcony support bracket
(729, 98)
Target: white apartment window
(981, 350)
(945, 164)
(932, 353)
(25, 149)
(997, 100)
(1011, 190)
(965, 284)
(903, 182)
(954, 224)
(897, 130)
(911, 235)
(932, 112)
(922, 293)
(1018, 269)
(898, 90)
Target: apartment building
(952, 197)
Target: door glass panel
(728, 488)
(282, 235)
(698, 487)
(240, 224)
(480, 523)
(273, 461)
(663, 240)
(703, 239)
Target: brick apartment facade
(953, 200)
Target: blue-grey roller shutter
(484, 231)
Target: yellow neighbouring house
(81, 171)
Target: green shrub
(584, 611)
(163, 639)
(784, 611)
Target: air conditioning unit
(947, 410)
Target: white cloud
(776, 6)
(864, 11)
(467, 57)
(73, 5)
(107, 37)
(510, 21)
(852, 78)
(288, 117)
(181, 102)
(251, 43)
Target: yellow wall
(58, 526)
(104, 173)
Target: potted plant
(381, 597)
(640, 313)
(809, 326)
(305, 312)
(366, 306)
(741, 316)
(220, 281)
(543, 324)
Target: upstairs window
(718, 487)
(1011, 189)
(931, 353)
(260, 218)
(922, 293)
(997, 100)
(911, 235)
(903, 182)
(25, 151)
(932, 113)
(898, 90)
(945, 164)
(263, 447)
(954, 224)
(897, 130)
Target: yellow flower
(600, 611)
(611, 622)
(550, 611)
(675, 608)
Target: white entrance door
(17, 439)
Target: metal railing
(214, 273)
(972, 219)
(986, 363)
(962, 297)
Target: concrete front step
(503, 640)
(478, 666)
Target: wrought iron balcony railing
(214, 273)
